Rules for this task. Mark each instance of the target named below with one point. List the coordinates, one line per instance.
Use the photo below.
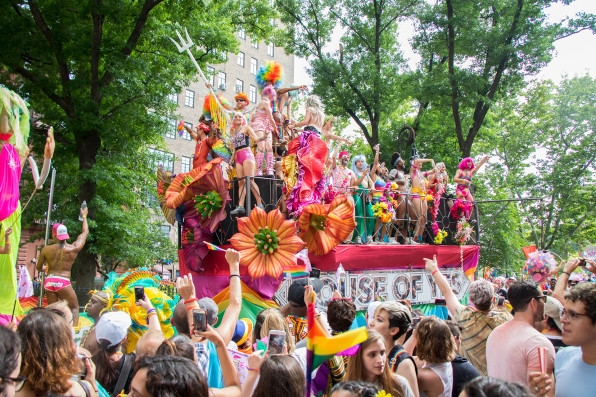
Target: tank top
(240, 140)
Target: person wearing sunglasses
(512, 348)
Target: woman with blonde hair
(370, 365)
(271, 319)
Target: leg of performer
(68, 294)
(259, 157)
(270, 163)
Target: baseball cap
(243, 331)
(60, 231)
(552, 308)
(113, 327)
(296, 290)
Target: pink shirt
(512, 352)
(10, 175)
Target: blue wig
(358, 158)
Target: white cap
(112, 326)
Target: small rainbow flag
(299, 271)
(213, 247)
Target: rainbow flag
(321, 346)
(213, 247)
(252, 302)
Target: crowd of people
(486, 347)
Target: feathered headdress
(216, 113)
(269, 73)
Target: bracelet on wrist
(567, 273)
(152, 310)
(234, 275)
(434, 271)
(195, 306)
(190, 300)
(253, 369)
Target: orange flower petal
(242, 242)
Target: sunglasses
(18, 382)
(543, 297)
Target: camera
(199, 318)
(139, 293)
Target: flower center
(208, 203)
(317, 222)
(266, 240)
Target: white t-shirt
(573, 376)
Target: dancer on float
(263, 125)
(341, 182)
(242, 104)
(437, 181)
(383, 212)
(365, 219)
(401, 199)
(240, 135)
(311, 152)
(418, 193)
(205, 136)
(330, 137)
(463, 178)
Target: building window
(160, 158)
(211, 75)
(254, 43)
(185, 167)
(221, 81)
(252, 94)
(240, 59)
(173, 98)
(253, 66)
(239, 85)
(242, 34)
(270, 49)
(165, 230)
(185, 134)
(171, 128)
(189, 99)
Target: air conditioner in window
(223, 87)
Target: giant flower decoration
(204, 193)
(323, 226)
(267, 243)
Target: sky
(574, 55)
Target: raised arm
(80, 241)
(231, 380)
(230, 317)
(480, 164)
(373, 170)
(569, 267)
(432, 266)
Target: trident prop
(185, 46)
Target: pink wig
(269, 90)
(243, 118)
(466, 164)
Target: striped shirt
(477, 326)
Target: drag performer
(264, 126)
(418, 194)
(240, 136)
(463, 177)
(311, 155)
(14, 131)
(57, 260)
(341, 182)
(362, 204)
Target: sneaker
(238, 210)
(261, 206)
(369, 240)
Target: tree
(546, 143)
(361, 78)
(100, 72)
(474, 53)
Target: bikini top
(240, 140)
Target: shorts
(244, 155)
(55, 283)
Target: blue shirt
(573, 376)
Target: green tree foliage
(545, 143)
(361, 78)
(100, 72)
(473, 54)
